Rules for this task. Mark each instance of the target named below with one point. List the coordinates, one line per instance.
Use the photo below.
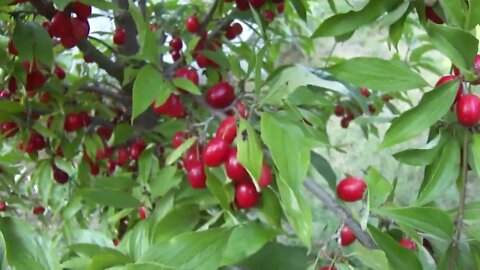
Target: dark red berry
(351, 189)
(82, 10)
(196, 176)
(339, 110)
(39, 210)
(215, 152)
(3, 206)
(265, 176)
(347, 236)
(193, 24)
(59, 175)
(220, 95)
(246, 196)
(448, 78)
(119, 36)
(227, 130)
(468, 110)
(176, 44)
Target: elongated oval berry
(234, 169)
(142, 212)
(227, 130)
(3, 206)
(119, 36)
(351, 189)
(193, 24)
(408, 243)
(468, 110)
(192, 156)
(246, 196)
(80, 28)
(265, 176)
(38, 210)
(347, 236)
(220, 95)
(176, 44)
(123, 156)
(215, 152)
(196, 176)
(59, 175)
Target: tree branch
(107, 93)
(209, 16)
(124, 19)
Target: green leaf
(250, 153)
(373, 259)
(431, 108)
(218, 57)
(456, 44)
(149, 86)
(115, 182)
(425, 155)
(269, 210)
(244, 241)
(43, 178)
(345, 23)
(181, 219)
(107, 259)
(110, 197)
(300, 8)
(186, 85)
(430, 220)
(377, 74)
(442, 175)
(177, 153)
(39, 46)
(224, 193)
(323, 167)
(475, 147)
(22, 250)
(136, 241)
(473, 15)
(43, 45)
(455, 11)
(400, 258)
(11, 106)
(297, 210)
(148, 164)
(193, 250)
(378, 188)
(122, 133)
(166, 179)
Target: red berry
(172, 107)
(94, 169)
(269, 15)
(371, 108)
(280, 8)
(345, 122)
(45, 97)
(456, 71)
(38, 210)
(237, 28)
(68, 42)
(407, 243)
(153, 27)
(476, 65)
(4, 94)
(87, 58)
(234, 169)
(242, 5)
(103, 154)
(11, 48)
(176, 44)
(123, 156)
(193, 24)
(60, 25)
(35, 80)
(196, 176)
(351, 189)
(202, 60)
(347, 236)
(59, 175)
(220, 95)
(246, 196)
(215, 152)
(241, 109)
(73, 122)
(178, 139)
(142, 212)
(432, 15)
(468, 110)
(10, 129)
(265, 176)
(3, 206)
(257, 4)
(137, 148)
(227, 130)
(119, 36)
(111, 166)
(86, 119)
(364, 91)
(82, 10)
(448, 78)
(12, 85)
(175, 55)
(60, 72)
(189, 74)
(80, 28)
(192, 156)
(339, 110)
(105, 133)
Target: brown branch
(125, 100)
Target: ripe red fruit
(432, 15)
(137, 148)
(280, 8)
(10, 129)
(111, 166)
(60, 72)
(119, 36)
(3, 206)
(234, 169)
(172, 107)
(142, 212)
(468, 110)
(328, 268)
(371, 108)
(80, 28)
(339, 110)
(476, 65)
(178, 139)
(347, 236)
(189, 74)
(220, 95)
(38, 210)
(176, 44)
(193, 24)
(246, 196)
(230, 33)
(448, 78)
(407, 243)
(344, 122)
(202, 60)
(82, 10)
(196, 176)
(94, 168)
(215, 152)
(4, 94)
(237, 28)
(44, 97)
(103, 154)
(12, 85)
(60, 25)
(227, 130)
(87, 58)
(265, 176)
(241, 109)
(73, 122)
(123, 156)
(35, 143)
(153, 27)
(269, 15)
(59, 175)
(351, 189)
(242, 5)
(364, 91)
(257, 4)
(175, 55)
(192, 156)
(105, 133)
(68, 42)
(86, 119)
(11, 48)
(35, 80)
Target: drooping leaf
(425, 155)
(323, 167)
(180, 219)
(250, 153)
(378, 188)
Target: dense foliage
(188, 135)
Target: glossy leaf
(250, 153)
(323, 167)
(110, 197)
(425, 155)
(179, 220)
(378, 188)
(455, 12)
